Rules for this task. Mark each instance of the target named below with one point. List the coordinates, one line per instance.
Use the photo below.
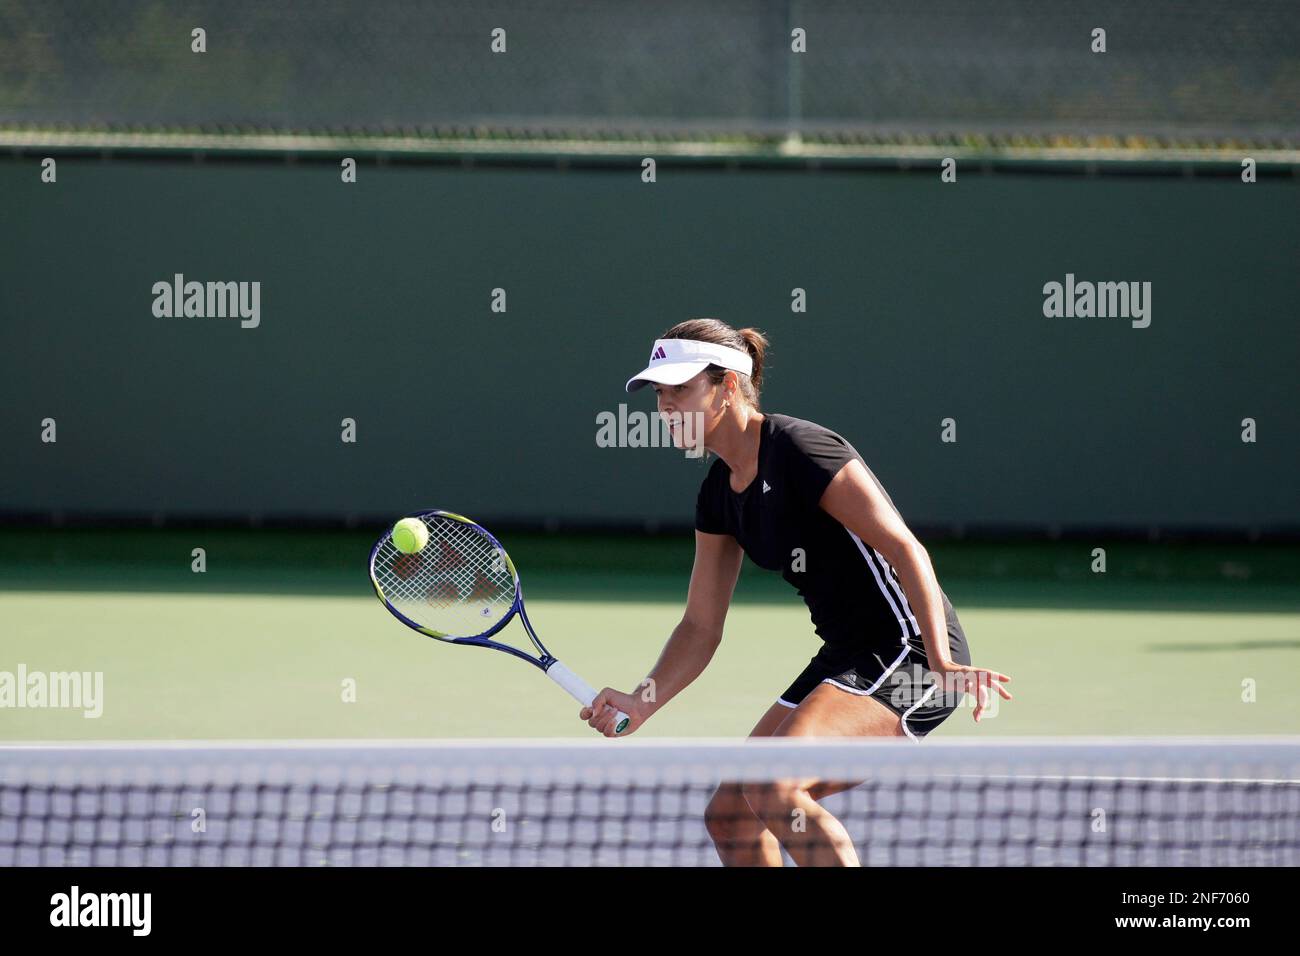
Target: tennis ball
(410, 535)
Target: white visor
(674, 361)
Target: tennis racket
(462, 588)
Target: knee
(772, 802)
(727, 816)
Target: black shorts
(896, 676)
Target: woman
(797, 498)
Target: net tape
(1063, 803)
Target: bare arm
(857, 502)
(693, 641)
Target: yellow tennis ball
(410, 535)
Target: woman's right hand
(600, 715)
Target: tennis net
(1032, 802)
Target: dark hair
(720, 333)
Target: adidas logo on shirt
(766, 487)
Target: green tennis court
(281, 637)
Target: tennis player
(798, 499)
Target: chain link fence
(1198, 72)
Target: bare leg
(810, 834)
(740, 838)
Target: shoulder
(710, 503)
(799, 435)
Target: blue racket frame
(479, 640)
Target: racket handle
(581, 691)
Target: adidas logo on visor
(658, 353)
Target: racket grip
(581, 691)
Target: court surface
(281, 638)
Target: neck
(736, 438)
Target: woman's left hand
(968, 679)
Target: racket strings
(459, 584)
